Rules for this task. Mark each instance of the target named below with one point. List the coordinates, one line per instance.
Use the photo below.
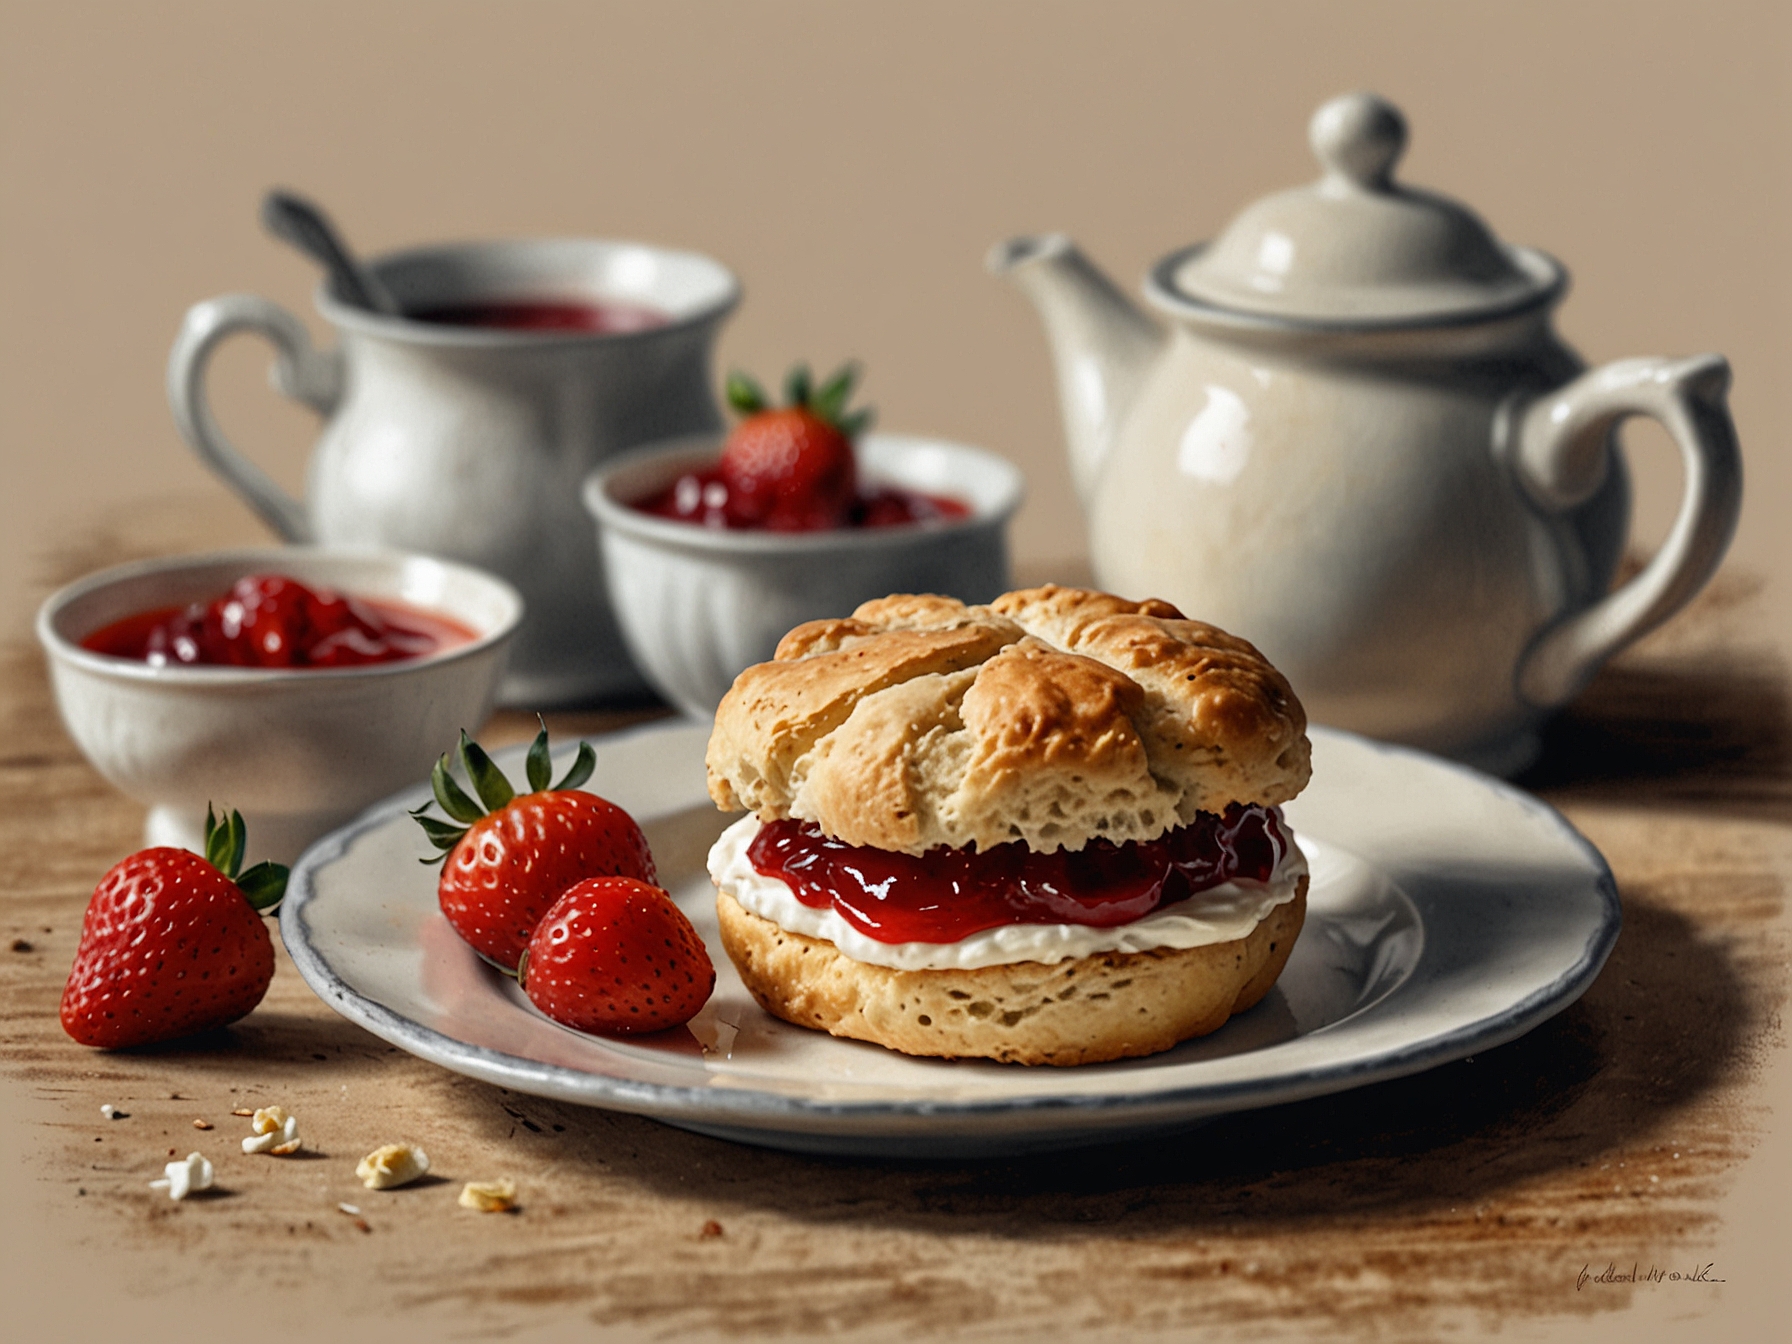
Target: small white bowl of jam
(296, 685)
(699, 601)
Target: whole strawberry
(513, 854)
(791, 468)
(173, 944)
(616, 955)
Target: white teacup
(297, 751)
(470, 441)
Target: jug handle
(303, 373)
(1560, 448)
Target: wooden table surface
(1476, 1194)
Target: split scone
(1042, 831)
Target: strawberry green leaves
(581, 769)
(264, 886)
(539, 766)
(226, 839)
(492, 791)
(488, 781)
(796, 386)
(454, 802)
(830, 402)
(442, 835)
(744, 394)
(827, 402)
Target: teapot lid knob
(1355, 249)
(1357, 138)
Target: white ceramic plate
(1448, 913)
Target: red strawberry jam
(949, 894)
(703, 497)
(270, 620)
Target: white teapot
(1361, 445)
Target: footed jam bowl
(297, 751)
(698, 605)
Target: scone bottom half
(1091, 1010)
(1052, 716)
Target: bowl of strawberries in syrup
(296, 684)
(714, 546)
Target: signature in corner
(1702, 1273)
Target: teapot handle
(307, 375)
(1561, 450)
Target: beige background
(852, 162)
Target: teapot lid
(1355, 248)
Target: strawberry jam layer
(949, 894)
(271, 620)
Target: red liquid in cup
(582, 315)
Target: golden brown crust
(778, 711)
(1216, 706)
(1052, 716)
(1113, 1005)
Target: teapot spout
(1102, 345)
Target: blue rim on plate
(1449, 913)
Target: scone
(1042, 831)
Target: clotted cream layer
(1217, 915)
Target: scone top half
(1052, 716)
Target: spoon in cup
(295, 220)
